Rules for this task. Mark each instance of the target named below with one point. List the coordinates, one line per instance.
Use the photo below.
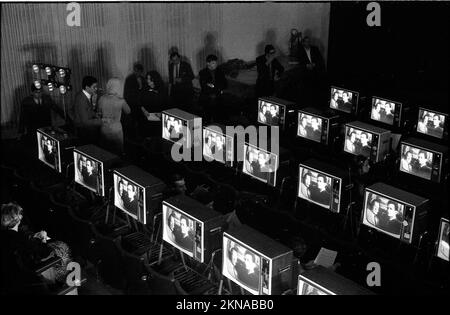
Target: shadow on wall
(315, 41)
(145, 57)
(209, 47)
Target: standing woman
(152, 101)
(110, 107)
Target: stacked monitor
(260, 164)
(443, 245)
(322, 184)
(432, 123)
(255, 262)
(367, 140)
(386, 111)
(91, 164)
(273, 111)
(343, 100)
(395, 212)
(217, 145)
(181, 127)
(423, 159)
(191, 227)
(315, 125)
(137, 193)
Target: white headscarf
(114, 87)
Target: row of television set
(275, 112)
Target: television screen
(416, 161)
(217, 146)
(309, 127)
(270, 113)
(174, 129)
(88, 173)
(244, 266)
(358, 142)
(128, 197)
(384, 110)
(431, 123)
(182, 231)
(260, 164)
(48, 151)
(343, 100)
(307, 287)
(318, 188)
(442, 251)
(386, 215)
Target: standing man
(269, 69)
(181, 90)
(87, 122)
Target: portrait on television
(305, 288)
(358, 142)
(126, 195)
(214, 145)
(173, 128)
(383, 111)
(260, 164)
(309, 127)
(342, 100)
(315, 187)
(384, 214)
(241, 265)
(48, 150)
(179, 230)
(86, 171)
(268, 113)
(442, 251)
(416, 161)
(431, 124)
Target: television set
(316, 125)
(273, 111)
(92, 165)
(386, 111)
(137, 193)
(181, 127)
(260, 164)
(323, 281)
(322, 184)
(344, 100)
(255, 262)
(395, 212)
(423, 159)
(217, 145)
(367, 140)
(442, 246)
(432, 123)
(191, 227)
(53, 146)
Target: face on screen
(443, 248)
(305, 288)
(416, 161)
(383, 111)
(214, 145)
(47, 148)
(173, 128)
(268, 113)
(86, 171)
(342, 100)
(259, 163)
(241, 265)
(126, 195)
(358, 142)
(179, 230)
(315, 187)
(309, 127)
(431, 123)
(384, 214)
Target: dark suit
(316, 58)
(394, 226)
(181, 93)
(91, 180)
(436, 131)
(322, 197)
(265, 85)
(187, 242)
(86, 122)
(315, 135)
(49, 156)
(210, 98)
(424, 171)
(251, 280)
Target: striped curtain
(112, 36)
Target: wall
(113, 36)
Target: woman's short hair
(11, 215)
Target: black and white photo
(343, 100)
(309, 127)
(416, 161)
(260, 164)
(431, 123)
(358, 142)
(87, 171)
(315, 187)
(179, 230)
(383, 111)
